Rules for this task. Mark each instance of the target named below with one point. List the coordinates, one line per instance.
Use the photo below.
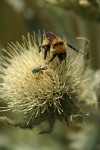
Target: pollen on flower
(47, 95)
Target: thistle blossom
(48, 95)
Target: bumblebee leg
(62, 56)
(40, 49)
(45, 53)
(74, 48)
(52, 58)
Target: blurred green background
(69, 18)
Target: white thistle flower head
(47, 95)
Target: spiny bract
(44, 96)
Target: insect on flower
(56, 46)
(43, 93)
(38, 69)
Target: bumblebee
(56, 46)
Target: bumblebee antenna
(74, 48)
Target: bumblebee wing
(50, 36)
